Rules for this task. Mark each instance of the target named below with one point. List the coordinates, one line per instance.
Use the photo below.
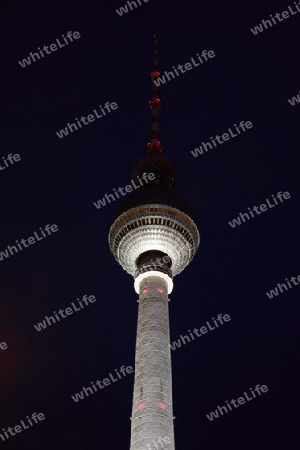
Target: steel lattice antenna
(154, 146)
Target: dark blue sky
(57, 181)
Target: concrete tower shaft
(152, 411)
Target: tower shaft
(152, 411)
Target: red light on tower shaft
(154, 147)
(155, 75)
(160, 290)
(162, 405)
(155, 103)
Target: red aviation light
(160, 290)
(145, 290)
(141, 405)
(155, 103)
(155, 75)
(154, 147)
(162, 405)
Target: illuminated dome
(154, 227)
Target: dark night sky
(57, 181)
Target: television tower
(153, 237)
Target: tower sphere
(153, 219)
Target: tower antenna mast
(154, 146)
